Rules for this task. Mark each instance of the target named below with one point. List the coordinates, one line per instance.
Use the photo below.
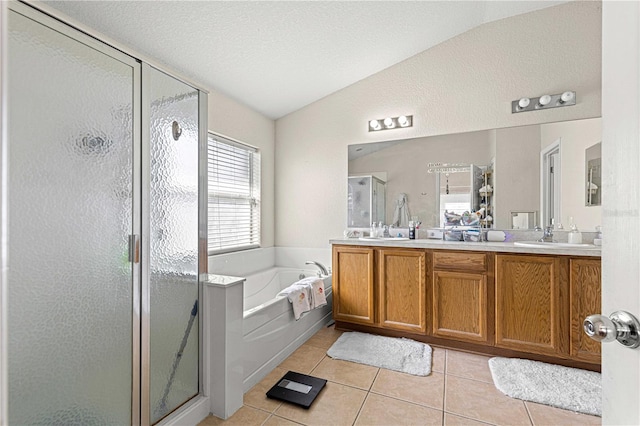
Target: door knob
(620, 326)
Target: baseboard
(192, 413)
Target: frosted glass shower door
(71, 287)
(172, 297)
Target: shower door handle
(134, 248)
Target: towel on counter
(304, 295)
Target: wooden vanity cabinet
(353, 284)
(532, 304)
(505, 304)
(460, 296)
(585, 295)
(402, 289)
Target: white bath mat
(398, 354)
(563, 387)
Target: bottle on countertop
(598, 239)
(373, 232)
(575, 236)
(412, 230)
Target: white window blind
(234, 196)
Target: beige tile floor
(459, 391)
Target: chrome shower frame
(40, 12)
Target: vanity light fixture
(567, 97)
(404, 121)
(390, 123)
(543, 102)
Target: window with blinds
(234, 196)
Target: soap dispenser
(598, 239)
(575, 236)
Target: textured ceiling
(278, 56)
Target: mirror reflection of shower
(366, 201)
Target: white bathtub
(270, 330)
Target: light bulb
(375, 125)
(524, 102)
(566, 97)
(389, 123)
(403, 121)
(544, 100)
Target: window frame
(254, 197)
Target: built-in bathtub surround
(270, 331)
(222, 305)
(245, 262)
(251, 329)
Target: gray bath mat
(404, 355)
(563, 387)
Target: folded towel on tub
(318, 297)
(304, 295)
(300, 298)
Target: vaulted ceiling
(278, 56)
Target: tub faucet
(323, 269)
(547, 237)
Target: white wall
(230, 118)
(575, 137)
(464, 84)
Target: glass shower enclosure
(366, 201)
(104, 226)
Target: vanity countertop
(503, 247)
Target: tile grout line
(526, 407)
(367, 395)
(360, 409)
(404, 400)
(267, 419)
(373, 381)
(472, 379)
(444, 385)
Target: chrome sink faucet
(323, 269)
(547, 237)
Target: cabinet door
(353, 284)
(402, 290)
(531, 304)
(585, 294)
(460, 306)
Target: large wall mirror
(516, 157)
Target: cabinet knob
(620, 326)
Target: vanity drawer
(460, 260)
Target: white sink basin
(550, 245)
(384, 238)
